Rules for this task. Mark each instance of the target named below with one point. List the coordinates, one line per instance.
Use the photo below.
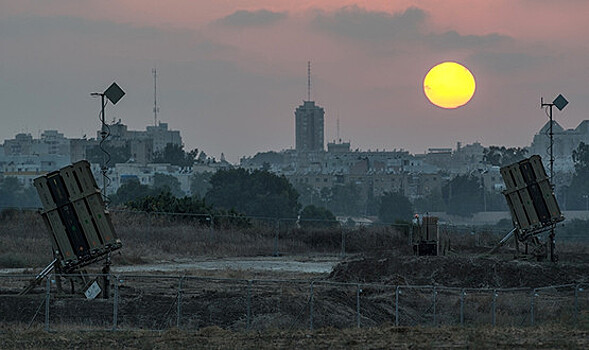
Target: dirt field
(460, 271)
(329, 338)
(214, 313)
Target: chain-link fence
(155, 302)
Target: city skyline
(232, 74)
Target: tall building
(309, 128)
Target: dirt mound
(461, 272)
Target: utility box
(426, 236)
(530, 196)
(73, 210)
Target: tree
(14, 195)
(463, 195)
(257, 193)
(130, 191)
(175, 155)
(394, 207)
(581, 159)
(308, 195)
(200, 183)
(501, 156)
(163, 182)
(343, 199)
(312, 216)
(432, 202)
(578, 190)
(9, 189)
(197, 209)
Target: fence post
(249, 304)
(462, 295)
(277, 230)
(212, 227)
(358, 291)
(434, 295)
(179, 302)
(47, 299)
(494, 307)
(343, 252)
(397, 292)
(22, 220)
(576, 307)
(148, 222)
(532, 307)
(115, 305)
(311, 297)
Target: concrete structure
(22, 144)
(161, 136)
(27, 167)
(309, 127)
(52, 142)
(143, 144)
(145, 174)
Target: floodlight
(560, 102)
(114, 93)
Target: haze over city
(232, 73)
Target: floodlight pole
(551, 135)
(114, 93)
(103, 135)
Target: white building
(565, 142)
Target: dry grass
(24, 240)
(328, 338)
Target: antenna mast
(308, 80)
(156, 109)
(338, 138)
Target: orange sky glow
(232, 72)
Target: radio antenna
(308, 80)
(156, 109)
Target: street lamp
(114, 93)
(560, 102)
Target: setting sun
(449, 85)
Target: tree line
(257, 193)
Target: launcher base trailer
(73, 273)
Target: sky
(231, 73)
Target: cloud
(84, 38)
(454, 40)
(509, 61)
(244, 18)
(356, 23)
(21, 26)
(410, 25)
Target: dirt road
(279, 264)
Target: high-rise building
(309, 128)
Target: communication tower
(156, 109)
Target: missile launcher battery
(75, 214)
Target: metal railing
(156, 302)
